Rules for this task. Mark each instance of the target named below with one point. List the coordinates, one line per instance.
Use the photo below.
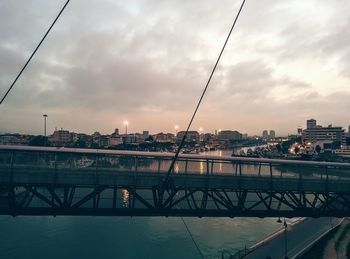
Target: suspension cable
(194, 241)
(32, 55)
(201, 98)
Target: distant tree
(94, 145)
(39, 141)
(80, 144)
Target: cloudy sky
(147, 62)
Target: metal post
(270, 176)
(158, 165)
(114, 197)
(327, 179)
(208, 171)
(45, 116)
(136, 162)
(285, 240)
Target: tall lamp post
(126, 130)
(176, 129)
(200, 134)
(45, 116)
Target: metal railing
(71, 159)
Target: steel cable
(32, 55)
(201, 98)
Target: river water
(128, 237)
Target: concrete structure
(227, 135)
(311, 124)
(324, 133)
(60, 137)
(54, 181)
(192, 136)
(298, 236)
(265, 134)
(14, 139)
(272, 134)
(299, 131)
(164, 137)
(115, 141)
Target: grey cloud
(149, 60)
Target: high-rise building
(324, 133)
(192, 136)
(272, 134)
(116, 132)
(229, 135)
(311, 124)
(60, 136)
(164, 137)
(265, 134)
(299, 131)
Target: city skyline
(147, 62)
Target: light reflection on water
(177, 168)
(201, 167)
(125, 194)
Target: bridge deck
(44, 181)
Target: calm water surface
(126, 237)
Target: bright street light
(126, 123)
(176, 129)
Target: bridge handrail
(168, 155)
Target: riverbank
(299, 235)
(334, 244)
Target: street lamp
(126, 131)
(176, 129)
(201, 134)
(45, 116)
(285, 236)
(126, 127)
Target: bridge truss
(250, 188)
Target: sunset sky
(147, 62)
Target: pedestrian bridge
(67, 181)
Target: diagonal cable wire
(32, 55)
(194, 241)
(201, 98)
